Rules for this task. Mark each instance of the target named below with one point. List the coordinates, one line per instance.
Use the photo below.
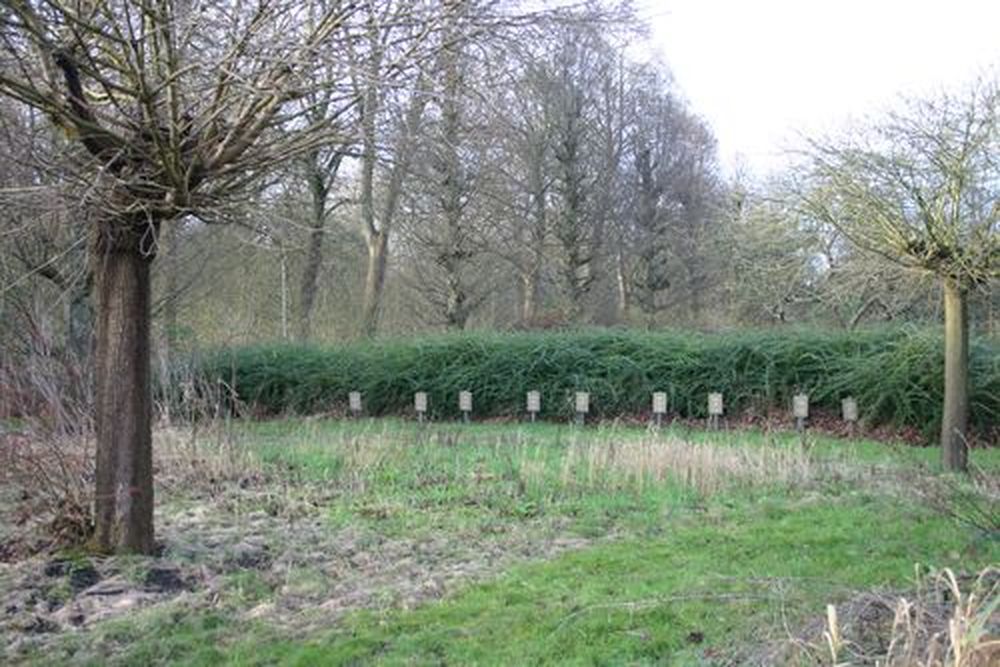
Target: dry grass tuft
(46, 456)
(972, 500)
(707, 469)
(948, 621)
(196, 457)
(49, 482)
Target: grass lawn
(392, 543)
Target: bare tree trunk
(377, 230)
(529, 306)
(310, 280)
(321, 175)
(623, 296)
(456, 309)
(955, 419)
(124, 498)
(374, 283)
(455, 185)
(573, 227)
(531, 276)
(310, 272)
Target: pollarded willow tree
(922, 188)
(174, 108)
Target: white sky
(763, 71)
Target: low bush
(895, 374)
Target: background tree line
(530, 177)
(514, 187)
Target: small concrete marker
(659, 406)
(715, 409)
(849, 408)
(800, 409)
(534, 404)
(582, 405)
(465, 404)
(420, 404)
(354, 403)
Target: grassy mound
(896, 375)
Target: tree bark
(623, 286)
(321, 176)
(314, 259)
(531, 275)
(310, 280)
(955, 419)
(456, 308)
(377, 231)
(530, 287)
(124, 498)
(374, 283)
(454, 185)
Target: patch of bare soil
(304, 571)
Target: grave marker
(354, 402)
(849, 408)
(715, 409)
(582, 404)
(420, 404)
(465, 404)
(800, 409)
(659, 406)
(534, 404)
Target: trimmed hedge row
(896, 375)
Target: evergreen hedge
(896, 375)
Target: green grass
(303, 441)
(731, 575)
(896, 374)
(450, 477)
(723, 577)
(670, 573)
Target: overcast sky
(761, 71)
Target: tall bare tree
(321, 167)
(523, 181)
(573, 226)
(393, 98)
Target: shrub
(895, 374)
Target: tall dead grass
(708, 469)
(589, 461)
(203, 455)
(46, 454)
(949, 620)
